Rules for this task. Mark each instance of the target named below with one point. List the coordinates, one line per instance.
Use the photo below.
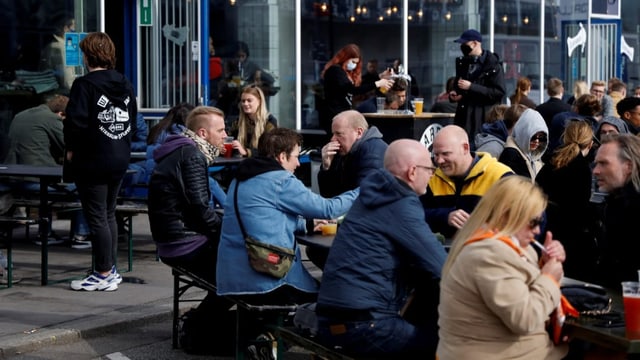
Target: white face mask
(351, 65)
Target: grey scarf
(210, 152)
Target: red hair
(349, 51)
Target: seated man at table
(37, 139)
(459, 182)
(382, 250)
(269, 203)
(398, 89)
(355, 150)
(185, 228)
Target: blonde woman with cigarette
(495, 295)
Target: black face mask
(466, 49)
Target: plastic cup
(418, 105)
(380, 102)
(330, 228)
(228, 147)
(631, 298)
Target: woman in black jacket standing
(342, 79)
(97, 132)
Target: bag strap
(235, 203)
(244, 232)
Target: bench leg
(176, 310)
(8, 240)
(127, 222)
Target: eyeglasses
(541, 138)
(428, 168)
(535, 222)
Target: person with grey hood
(611, 125)
(527, 143)
(493, 136)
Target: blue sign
(72, 51)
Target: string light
(352, 18)
(232, 2)
(525, 20)
(323, 7)
(505, 18)
(447, 15)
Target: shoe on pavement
(95, 281)
(80, 242)
(265, 347)
(4, 280)
(54, 239)
(116, 274)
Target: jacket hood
(170, 144)
(530, 123)
(371, 133)
(483, 139)
(497, 129)
(612, 120)
(381, 188)
(110, 82)
(255, 166)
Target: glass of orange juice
(330, 228)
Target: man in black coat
(479, 82)
(554, 105)
(185, 228)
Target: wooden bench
(7, 224)
(184, 280)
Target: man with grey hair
(372, 265)
(617, 173)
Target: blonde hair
(244, 122)
(577, 136)
(511, 203)
(197, 118)
(495, 113)
(580, 88)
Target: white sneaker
(95, 281)
(116, 274)
(80, 242)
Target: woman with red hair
(342, 79)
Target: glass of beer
(631, 298)
(228, 146)
(419, 104)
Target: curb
(86, 328)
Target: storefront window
(33, 46)
(249, 44)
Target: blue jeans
(392, 337)
(79, 224)
(99, 206)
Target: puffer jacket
(179, 193)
